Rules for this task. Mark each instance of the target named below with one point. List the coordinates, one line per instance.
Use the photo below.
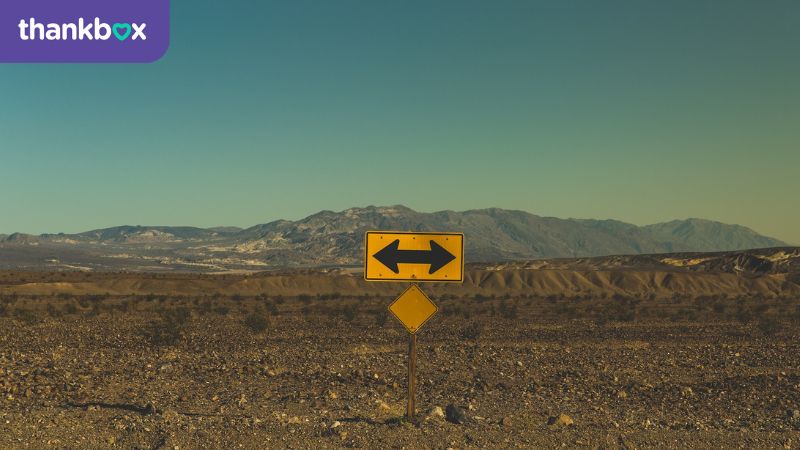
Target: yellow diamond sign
(413, 308)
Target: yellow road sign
(402, 256)
(413, 308)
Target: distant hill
(336, 239)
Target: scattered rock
(455, 414)
(434, 413)
(383, 406)
(622, 394)
(506, 421)
(562, 420)
(793, 413)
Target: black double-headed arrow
(391, 255)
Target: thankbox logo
(83, 30)
(99, 31)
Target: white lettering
(138, 31)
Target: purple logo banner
(83, 31)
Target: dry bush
(743, 314)
(256, 322)
(472, 331)
(770, 326)
(26, 316)
(54, 311)
(348, 313)
(167, 330)
(381, 316)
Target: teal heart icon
(121, 30)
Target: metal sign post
(398, 256)
(412, 374)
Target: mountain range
(329, 239)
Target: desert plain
(675, 351)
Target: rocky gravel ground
(184, 373)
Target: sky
(640, 111)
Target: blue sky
(639, 111)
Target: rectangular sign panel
(83, 31)
(405, 256)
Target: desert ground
(305, 359)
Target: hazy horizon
(639, 112)
(245, 226)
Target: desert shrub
(124, 306)
(348, 313)
(177, 316)
(94, 311)
(162, 334)
(305, 311)
(236, 297)
(743, 315)
(769, 325)
(568, 311)
(70, 308)
(25, 316)
(482, 297)
(167, 330)
(601, 319)
(53, 311)
(508, 311)
(719, 307)
(381, 316)
(222, 310)
(628, 315)
(256, 322)
(472, 331)
(204, 307)
(272, 308)
(3, 309)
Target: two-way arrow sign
(396, 256)
(391, 255)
